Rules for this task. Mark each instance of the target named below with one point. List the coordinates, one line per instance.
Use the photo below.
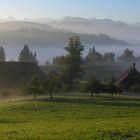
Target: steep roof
(19, 73)
(129, 77)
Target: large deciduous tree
(52, 84)
(33, 87)
(94, 86)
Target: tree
(52, 84)
(109, 57)
(94, 86)
(72, 62)
(112, 80)
(47, 63)
(57, 60)
(27, 56)
(2, 54)
(111, 87)
(33, 57)
(93, 55)
(34, 87)
(5, 95)
(127, 55)
(136, 89)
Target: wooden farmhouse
(129, 78)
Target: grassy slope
(70, 119)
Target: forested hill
(35, 34)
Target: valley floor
(71, 118)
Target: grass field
(71, 118)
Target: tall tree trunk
(112, 94)
(51, 95)
(91, 93)
(35, 95)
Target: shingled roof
(19, 73)
(130, 77)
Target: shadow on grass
(10, 121)
(96, 100)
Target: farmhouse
(19, 73)
(129, 78)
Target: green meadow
(71, 118)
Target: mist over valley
(49, 37)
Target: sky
(120, 10)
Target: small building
(129, 78)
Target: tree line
(71, 75)
(94, 56)
(72, 70)
(26, 55)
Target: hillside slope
(35, 34)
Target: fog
(44, 54)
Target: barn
(129, 78)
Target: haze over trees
(93, 55)
(109, 56)
(74, 66)
(127, 55)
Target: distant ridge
(18, 33)
(116, 29)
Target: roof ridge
(126, 73)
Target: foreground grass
(72, 118)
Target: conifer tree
(27, 56)
(73, 61)
(2, 54)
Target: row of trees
(36, 87)
(72, 73)
(94, 86)
(94, 56)
(56, 84)
(25, 55)
(72, 70)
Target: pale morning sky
(124, 10)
